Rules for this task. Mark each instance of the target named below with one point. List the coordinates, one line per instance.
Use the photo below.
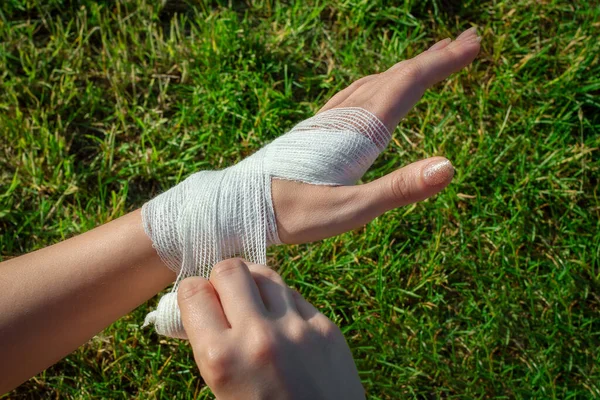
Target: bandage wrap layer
(215, 215)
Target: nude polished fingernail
(438, 172)
(471, 31)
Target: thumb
(410, 184)
(306, 212)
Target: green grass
(491, 289)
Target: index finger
(201, 311)
(237, 291)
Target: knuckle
(265, 272)
(226, 268)
(271, 274)
(400, 188)
(396, 67)
(413, 71)
(329, 330)
(263, 347)
(363, 80)
(216, 365)
(297, 295)
(192, 287)
(298, 332)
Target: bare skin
(255, 338)
(307, 213)
(55, 299)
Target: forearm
(55, 299)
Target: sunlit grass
(491, 289)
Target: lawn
(490, 289)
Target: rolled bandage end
(167, 318)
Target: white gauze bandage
(215, 215)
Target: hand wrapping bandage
(215, 215)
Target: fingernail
(438, 172)
(441, 44)
(467, 33)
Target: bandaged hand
(298, 188)
(255, 338)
